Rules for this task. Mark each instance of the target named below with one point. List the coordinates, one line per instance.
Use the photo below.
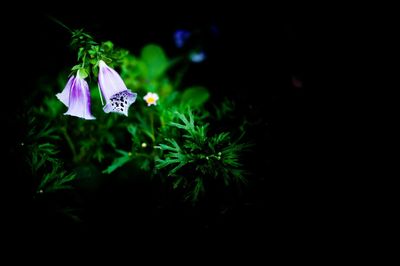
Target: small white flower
(151, 98)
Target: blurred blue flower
(76, 96)
(180, 37)
(197, 57)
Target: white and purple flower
(118, 97)
(76, 96)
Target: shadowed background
(252, 58)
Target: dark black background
(252, 60)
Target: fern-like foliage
(46, 168)
(57, 179)
(197, 158)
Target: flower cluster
(76, 94)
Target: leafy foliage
(199, 158)
(171, 139)
(118, 162)
(91, 52)
(46, 168)
(56, 180)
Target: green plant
(199, 157)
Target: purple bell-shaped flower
(76, 96)
(118, 97)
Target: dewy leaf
(155, 60)
(195, 96)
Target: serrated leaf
(177, 125)
(166, 147)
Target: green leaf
(82, 73)
(76, 67)
(196, 191)
(93, 61)
(95, 70)
(56, 180)
(166, 148)
(133, 130)
(155, 59)
(177, 182)
(87, 35)
(92, 52)
(107, 46)
(195, 96)
(53, 106)
(99, 155)
(124, 153)
(80, 53)
(145, 165)
(118, 162)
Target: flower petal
(79, 100)
(64, 95)
(151, 98)
(120, 102)
(109, 81)
(118, 97)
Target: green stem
(162, 121)
(152, 127)
(101, 97)
(83, 59)
(60, 23)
